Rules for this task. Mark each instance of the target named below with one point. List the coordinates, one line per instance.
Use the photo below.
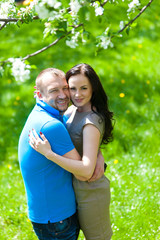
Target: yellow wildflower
(122, 95)
(27, 2)
(148, 82)
(122, 81)
(127, 111)
(9, 81)
(115, 161)
(15, 103)
(133, 58)
(9, 166)
(18, 98)
(140, 46)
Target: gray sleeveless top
(75, 125)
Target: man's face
(55, 92)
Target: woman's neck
(84, 109)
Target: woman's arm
(84, 168)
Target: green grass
(133, 158)
(135, 191)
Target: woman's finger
(32, 139)
(31, 144)
(35, 134)
(43, 137)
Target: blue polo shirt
(50, 195)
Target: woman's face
(80, 91)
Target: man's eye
(66, 88)
(54, 90)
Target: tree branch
(7, 20)
(45, 48)
(58, 39)
(50, 45)
(102, 5)
(4, 24)
(142, 10)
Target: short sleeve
(58, 136)
(95, 120)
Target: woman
(89, 125)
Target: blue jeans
(68, 229)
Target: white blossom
(20, 70)
(121, 24)
(48, 29)
(105, 40)
(75, 6)
(132, 6)
(52, 3)
(55, 15)
(73, 42)
(33, 3)
(7, 9)
(44, 12)
(98, 9)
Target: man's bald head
(49, 72)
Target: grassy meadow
(130, 75)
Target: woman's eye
(72, 89)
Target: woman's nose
(77, 93)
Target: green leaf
(127, 30)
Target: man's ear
(39, 94)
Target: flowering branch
(61, 22)
(7, 20)
(58, 39)
(50, 45)
(130, 22)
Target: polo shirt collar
(48, 108)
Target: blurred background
(131, 77)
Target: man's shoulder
(43, 116)
(53, 123)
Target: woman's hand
(41, 145)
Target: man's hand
(99, 169)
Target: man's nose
(62, 94)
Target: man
(50, 196)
